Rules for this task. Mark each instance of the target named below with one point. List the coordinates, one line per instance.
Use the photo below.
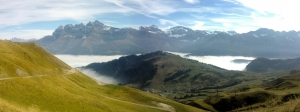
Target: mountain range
(15, 39)
(97, 38)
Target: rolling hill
(157, 69)
(34, 80)
(205, 86)
(281, 94)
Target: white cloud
(202, 9)
(25, 34)
(164, 22)
(275, 14)
(99, 77)
(192, 1)
(22, 12)
(146, 7)
(198, 25)
(231, 1)
(84, 60)
(228, 20)
(244, 29)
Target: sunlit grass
(38, 81)
(55, 93)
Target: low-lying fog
(226, 62)
(99, 77)
(83, 60)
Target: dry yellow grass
(6, 106)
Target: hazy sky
(37, 18)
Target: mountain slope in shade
(202, 85)
(261, 65)
(281, 94)
(32, 79)
(163, 71)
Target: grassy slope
(21, 59)
(58, 90)
(249, 94)
(56, 93)
(281, 94)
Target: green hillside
(159, 68)
(205, 86)
(281, 94)
(27, 59)
(34, 80)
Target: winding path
(162, 106)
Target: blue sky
(37, 18)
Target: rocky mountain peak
(79, 28)
(232, 32)
(97, 23)
(264, 31)
(151, 29)
(68, 28)
(57, 31)
(89, 23)
(178, 31)
(154, 26)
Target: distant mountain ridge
(97, 38)
(15, 39)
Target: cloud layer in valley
(83, 60)
(99, 77)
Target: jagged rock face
(58, 31)
(185, 34)
(80, 28)
(97, 23)
(151, 29)
(97, 38)
(89, 27)
(68, 28)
